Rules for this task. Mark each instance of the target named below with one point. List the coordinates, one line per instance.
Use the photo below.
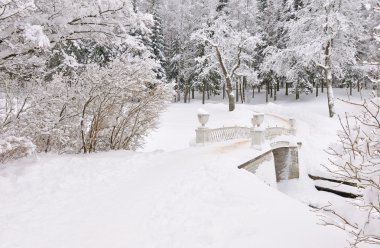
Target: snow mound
(202, 111)
(191, 198)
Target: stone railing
(257, 134)
(227, 133)
(253, 164)
(273, 132)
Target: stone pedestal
(286, 163)
(294, 167)
(202, 135)
(292, 123)
(257, 138)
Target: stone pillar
(202, 132)
(294, 164)
(292, 123)
(286, 163)
(257, 133)
(202, 135)
(257, 138)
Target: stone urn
(257, 119)
(203, 118)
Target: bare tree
(355, 158)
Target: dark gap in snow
(333, 180)
(337, 192)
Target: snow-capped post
(202, 131)
(203, 116)
(257, 119)
(292, 123)
(257, 133)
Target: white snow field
(171, 194)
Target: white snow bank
(192, 198)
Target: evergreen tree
(297, 4)
(221, 5)
(134, 5)
(262, 5)
(157, 38)
(173, 65)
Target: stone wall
(285, 161)
(253, 164)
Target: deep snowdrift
(176, 196)
(192, 198)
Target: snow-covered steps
(341, 188)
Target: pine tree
(221, 5)
(173, 65)
(157, 38)
(134, 5)
(297, 4)
(262, 5)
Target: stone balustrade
(206, 135)
(257, 134)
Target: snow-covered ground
(172, 194)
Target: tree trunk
(231, 97)
(286, 89)
(350, 88)
(328, 78)
(203, 93)
(311, 79)
(278, 86)
(185, 94)
(275, 93)
(271, 91)
(178, 91)
(267, 92)
(253, 91)
(84, 144)
(297, 91)
(241, 93)
(224, 91)
(244, 87)
(316, 89)
(208, 91)
(237, 91)
(192, 93)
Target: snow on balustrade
(228, 133)
(256, 133)
(278, 144)
(273, 132)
